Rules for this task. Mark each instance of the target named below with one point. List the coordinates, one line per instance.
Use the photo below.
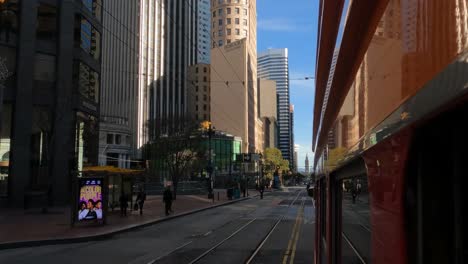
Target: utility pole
(210, 130)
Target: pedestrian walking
(262, 189)
(140, 200)
(123, 199)
(167, 198)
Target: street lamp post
(210, 162)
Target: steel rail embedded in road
(260, 245)
(263, 241)
(222, 242)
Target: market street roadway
(277, 229)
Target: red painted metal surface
(386, 165)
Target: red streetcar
(391, 132)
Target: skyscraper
(307, 168)
(293, 159)
(119, 83)
(168, 46)
(204, 31)
(273, 65)
(234, 29)
(50, 66)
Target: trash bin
(236, 193)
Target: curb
(102, 236)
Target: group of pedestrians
(140, 201)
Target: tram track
(251, 256)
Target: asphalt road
(277, 229)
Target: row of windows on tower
(229, 22)
(229, 32)
(245, 2)
(221, 42)
(229, 11)
(205, 107)
(205, 97)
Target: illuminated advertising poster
(90, 204)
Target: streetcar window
(355, 212)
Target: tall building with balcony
(204, 31)
(234, 27)
(273, 65)
(50, 61)
(119, 84)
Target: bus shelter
(119, 181)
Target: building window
(245, 12)
(244, 22)
(88, 82)
(228, 21)
(204, 117)
(246, 2)
(220, 42)
(237, 31)
(220, 1)
(204, 107)
(237, 10)
(220, 12)
(44, 67)
(90, 39)
(93, 6)
(118, 139)
(5, 143)
(220, 33)
(46, 22)
(204, 97)
(236, 1)
(220, 22)
(204, 88)
(196, 107)
(214, 34)
(229, 31)
(196, 98)
(204, 78)
(196, 69)
(237, 21)
(228, 10)
(205, 69)
(110, 138)
(214, 13)
(196, 88)
(10, 21)
(127, 140)
(228, 41)
(245, 33)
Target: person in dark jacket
(261, 189)
(167, 198)
(140, 200)
(123, 204)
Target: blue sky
(293, 26)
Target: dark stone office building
(50, 73)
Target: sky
(294, 26)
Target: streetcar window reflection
(356, 230)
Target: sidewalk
(32, 226)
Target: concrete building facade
(199, 90)
(50, 60)
(168, 46)
(119, 84)
(273, 65)
(234, 26)
(268, 111)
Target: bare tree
(175, 145)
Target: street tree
(173, 148)
(274, 161)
